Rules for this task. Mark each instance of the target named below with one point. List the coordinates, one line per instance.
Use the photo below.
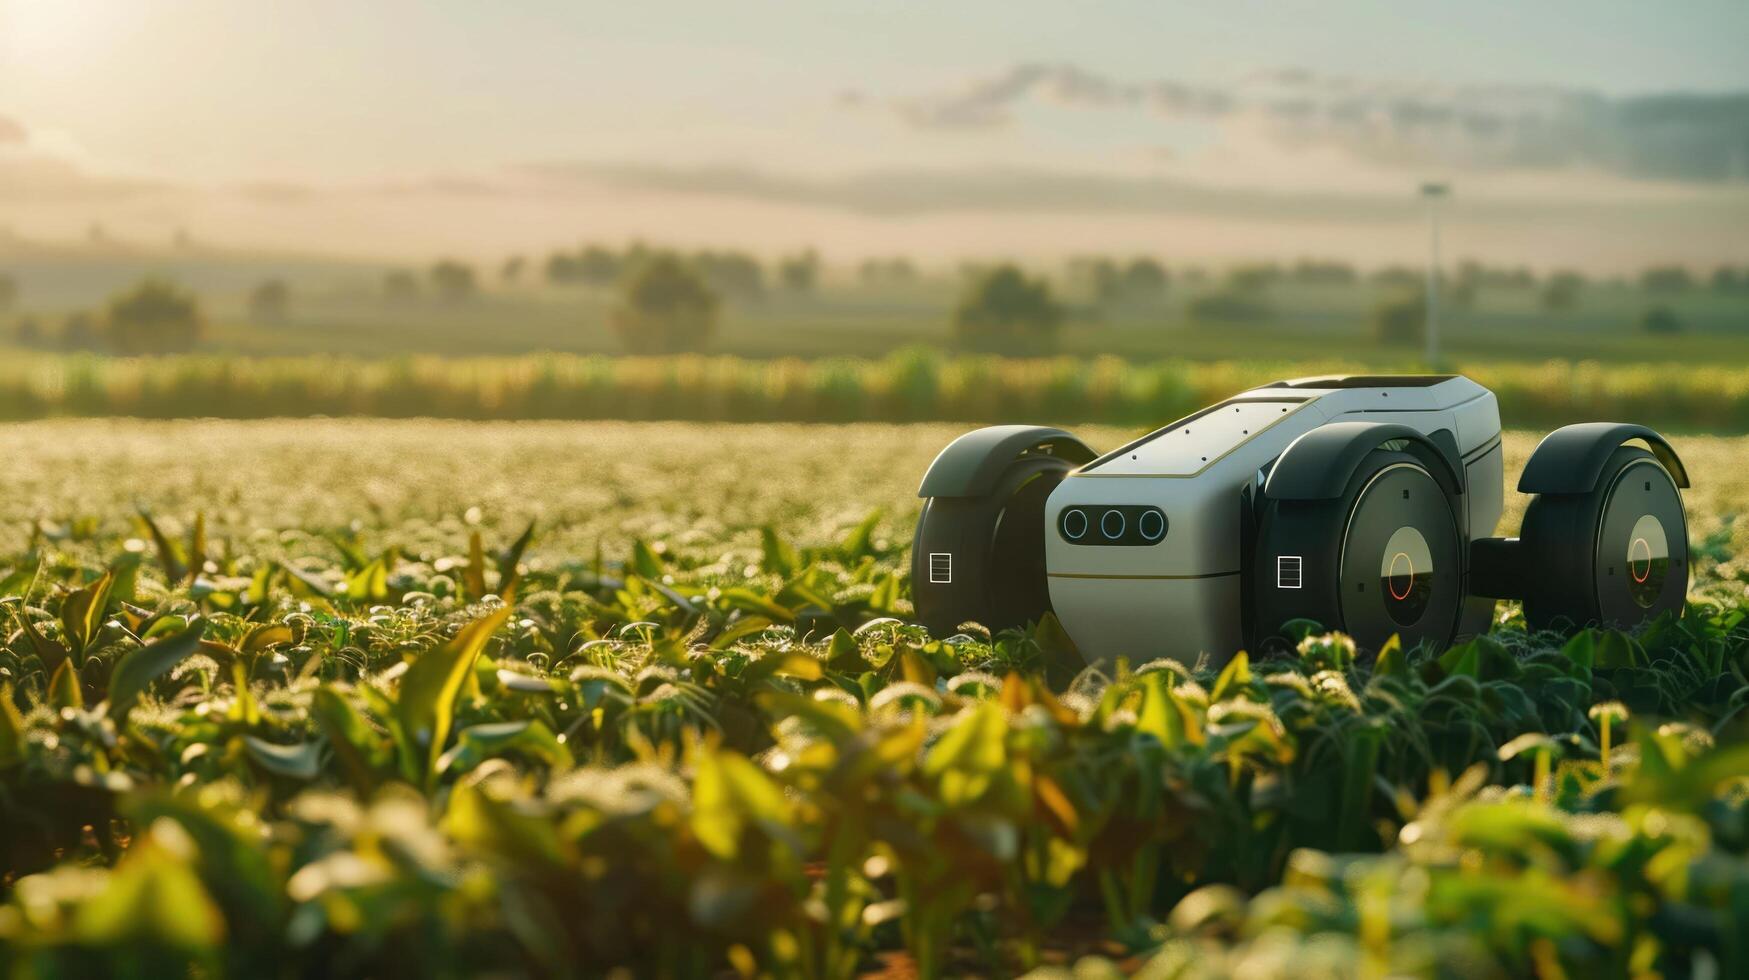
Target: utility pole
(1432, 193)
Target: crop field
(367, 698)
(909, 385)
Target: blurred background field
(917, 384)
(287, 488)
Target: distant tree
(8, 291)
(732, 274)
(561, 269)
(1254, 277)
(799, 273)
(1144, 279)
(1561, 290)
(1096, 275)
(511, 271)
(1661, 320)
(1666, 279)
(1400, 321)
(1728, 280)
(1398, 276)
(269, 301)
(28, 333)
(154, 317)
(1005, 307)
(453, 281)
(79, 333)
(399, 286)
(1228, 306)
(896, 271)
(666, 307)
(598, 266)
(1324, 272)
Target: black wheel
(982, 559)
(1384, 558)
(1616, 556)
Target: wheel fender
(1571, 459)
(971, 465)
(1319, 464)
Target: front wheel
(1384, 558)
(982, 558)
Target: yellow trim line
(1086, 575)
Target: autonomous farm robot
(1364, 503)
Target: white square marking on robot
(1287, 571)
(940, 568)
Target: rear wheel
(1616, 556)
(1384, 558)
(982, 559)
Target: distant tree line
(730, 273)
(153, 317)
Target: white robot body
(1181, 597)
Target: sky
(1599, 135)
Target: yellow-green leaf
(82, 613)
(729, 793)
(12, 737)
(138, 667)
(426, 706)
(1237, 675)
(64, 687)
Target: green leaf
(12, 737)
(356, 744)
(476, 819)
(138, 668)
(152, 898)
(729, 795)
(1162, 715)
(1616, 650)
(477, 743)
(509, 574)
(474, 573)
(368, 584)
(267, 635)
(426, 706)
(299, 761)
(82, 614)
(777, 556)
(312, 584)
(169, 554)
(64, 689)
(1234, 678)
(860, 541)
(50, 652)
(1392, 661)
(747, 600)
(646, 562)
(1483, 658)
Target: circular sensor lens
(1406, 576)
(1074, 524)
(1648, 561)
(1152, 525)
(1111, 524)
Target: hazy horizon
(1602, 136)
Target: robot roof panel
(1191, 445)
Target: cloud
(1686, 137)
(37, 168)
(1019, 191)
